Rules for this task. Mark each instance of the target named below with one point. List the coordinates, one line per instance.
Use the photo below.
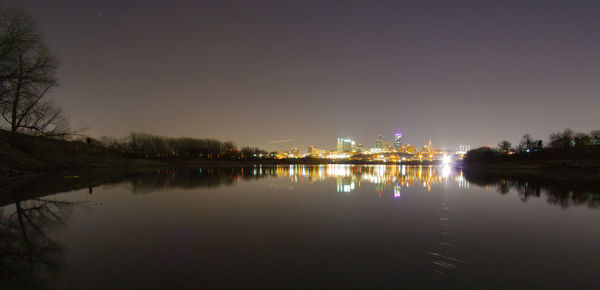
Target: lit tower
(379, 142)
(398, 141)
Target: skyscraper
(379, 144)
(397, 141)
(345, 145)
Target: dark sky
(457, 72)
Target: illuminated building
(379, 144)
(463, 149)
(387, 146)
(345, 145)
(295, 152)
(316, 152)
(360, 148)
(398, 142)
(404, 148)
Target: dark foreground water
(330, 226)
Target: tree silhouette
(27, 73)
(562, 140)
(504, 146)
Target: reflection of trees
(36, 186)
(140, 180)
(29, 257)
(192, 178)
(562, 190)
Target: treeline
(144, 145)
(566, 145)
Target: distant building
(345, 145)
(388, 146)
(316, 152)
(360, 148)
(398, 142)
(295, 152)
(379, 143)
(463, 149)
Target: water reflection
(30, 218)
(387, 179)
(563, 190)
(560, 189)
(193, 178)
(29, 257)
(350, 177)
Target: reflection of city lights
(386, 178)
(344, 185)
(380, 170)
(338, 170)
(446, 171)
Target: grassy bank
(30, 154)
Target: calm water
(299, 227)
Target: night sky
(456, 72)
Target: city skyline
(456, 72)
(394, 152)
(380, 142)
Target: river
(297, 226)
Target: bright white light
(338, 156)
(446, 159)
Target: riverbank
(35, 155)
(31, 154)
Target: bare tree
(27, 73)
(504, 146)
(562, 140)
